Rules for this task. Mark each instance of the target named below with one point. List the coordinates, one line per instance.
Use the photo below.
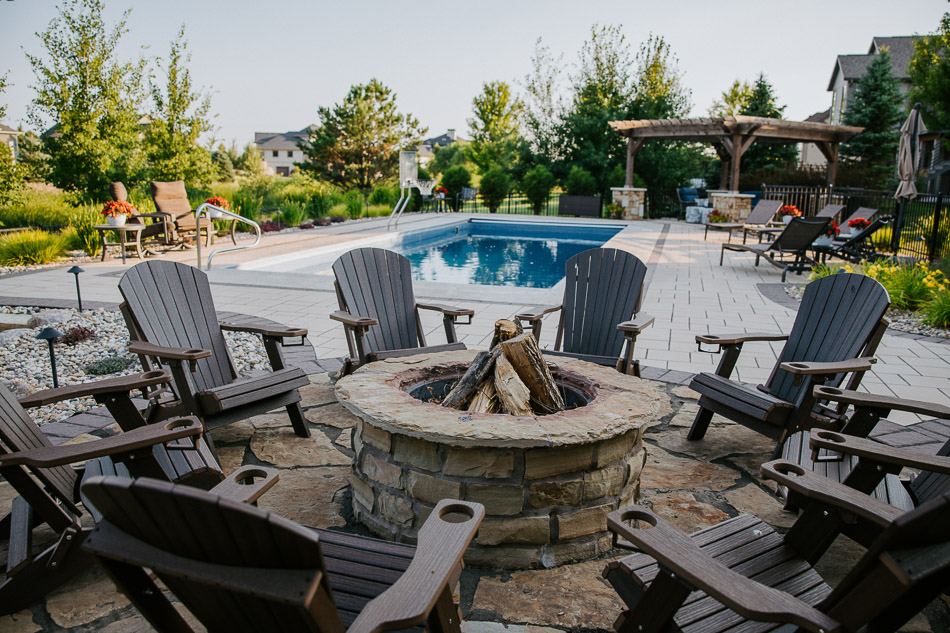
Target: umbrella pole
(898, 225)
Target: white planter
(118, 220)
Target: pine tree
(759, 156)
(875, 105)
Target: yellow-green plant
(937, 312)
(30, 247)
(83, 222)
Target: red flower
(789, 209)
(833, 229)
(114, 208)
(220, 202)
(859, 223)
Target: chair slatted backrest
(172, 198)
(604, 287)
(18, 432)
(171, 304)
(799, 234)
(911, 559)
(928, 485)
(830, 211)
(376, 283)
(858, 237)
(865, 213)
(763, 212)
(838, 316)
(190, 527)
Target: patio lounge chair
(856, 247)
(600, 310)
(740, 575)
(864, 213)
(170, 314)
(789, 251)
(760, 216)
(171, 200)
(48, 485)
(243, 569)
(379, 312)
(829, 211)
(837, 329)
(160, 232)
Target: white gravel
(25, 363)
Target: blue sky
(271, 64)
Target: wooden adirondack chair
(600, 309)
(171, 317)
(759, 217)
(171, 200)
(48, 484)
(789, 251)
(741, 572)
(379, 312)
(244, 569)
(873, 466)
(837, 329)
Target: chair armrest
(818, 488)
(735, 339)
(355, 321)
(534, 316)
(285, 332)
(122, 384)
(169, 353)
(447, 310)
(158, 215)
(126, 442)
(637, 324)
(877, 452)
(240, 485)
(441, 544)
(676, 552)
(842, 367)
(873, 401)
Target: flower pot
(787, 218)
(118, 220)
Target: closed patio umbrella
(908, 157)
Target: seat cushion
(171, 198)
(742, 397)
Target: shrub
(494, 188)
(353, 200)
(909, 286)
(537, 186)
(336, 218)
(320, 204)
(454, 180)
(31, 247)
(87, 237)
(383, 195)
(293, 213)
(247, 205)
(937, 312)
(580, 182)
(823, 270)
(109, 365)
(272, 226)
(378, 210)
(715, 217)
(77, 334)
(38, 208)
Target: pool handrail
(401, 205)
(211, 212)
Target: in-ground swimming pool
(486, 252)
(522, 254)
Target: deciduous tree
(357, 142)
(11, 178)
(495, 127)
(732, 101)
(494, 188)
(537, 186)
(91, 97)
(929, 71)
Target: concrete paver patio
(691, 484)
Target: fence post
(938, 211)
(898, 222)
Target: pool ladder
(212, 212)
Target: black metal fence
(922, 231)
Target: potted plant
(117, 212)
(788, 212)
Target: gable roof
(281, 140)
(7, 130)
(853, 67)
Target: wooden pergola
(731, 136)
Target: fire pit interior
(547, 481)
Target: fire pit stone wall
(547, 482)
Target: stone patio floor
(692, 485)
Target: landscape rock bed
(547, 482)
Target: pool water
(502, 253)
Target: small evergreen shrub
(109, 365)
(580, 182)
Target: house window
(290, 154)
(275, 153)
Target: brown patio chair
(241, 569)
(48, 485)
(760, 216)
(170, 314)
(160, 232)
(741, 575)
(171, 200)
(379, 312)
(839, 324)
(789, 251)
(600, 309)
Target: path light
(76, 270)
(50, 334)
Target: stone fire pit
(547, 482)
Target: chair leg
(444, 617)
(297, 419)
(700, 424)
(39, 578)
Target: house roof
(281, 140)
(901, 48)
(819, 117)
(9, 131)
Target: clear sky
(271, 64)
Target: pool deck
(687, 292)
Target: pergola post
(830, 151)
(633, 146)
